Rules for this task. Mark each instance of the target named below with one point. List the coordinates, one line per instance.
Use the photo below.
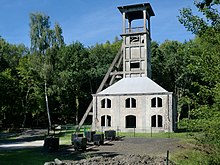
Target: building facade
(135, 102)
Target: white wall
(143, 113)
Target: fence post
(167, 160)
(151, 131)
(134, 131)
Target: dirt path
(20, 145)
(27, 139)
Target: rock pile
(117, 160)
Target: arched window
(159, 102)
(133, 103)
(156, 102)
(103, 103)
(160, 121)
(127, 103)
(106, 103)
(109, 102)
(153, 102)
(156, 121)
(153, 121)
(130, 121)
(106, 121)
(103, 120)
(130, 103)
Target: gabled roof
(136, 85)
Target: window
(103, 103)
(102, 121)
(156, 102)
(153, 121)
(134, 39)
(130, 103)
(153, 102)
(159, 102)
(135, 65)
(156, 121)
(106, 103)
(106, 121)
(130, 121)
(160, 121)
(127, 103)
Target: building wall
(143, 112)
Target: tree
(74, 72)
(196, 24)
(42, 38)
(10, 105)
(205, 68)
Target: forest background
(52, 82)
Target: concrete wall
(143, 113)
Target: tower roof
(135, 11)
(135, 85)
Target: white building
(135, 101)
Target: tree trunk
(47, 105)
(77, 110)
(178, 119)
(24, 120)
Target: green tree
(43, 38)
(205, 70)
(10, 105)
(74, 74)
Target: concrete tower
(136, 40)
(135, 101)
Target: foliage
(205, 68)
(189, 156)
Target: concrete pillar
(129, 26)
(124, 23)
(149, 28)
(94, 120)
(145, 19)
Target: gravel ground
(132, 151)
(149, 146)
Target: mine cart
(89, 135)
(79, 142)
(98, 139)
(110, 134)
(51, 144)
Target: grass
(181, 135)
(33, 156)
(189, 156)
(37, 156)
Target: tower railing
(136, 29)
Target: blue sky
(89, 21)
